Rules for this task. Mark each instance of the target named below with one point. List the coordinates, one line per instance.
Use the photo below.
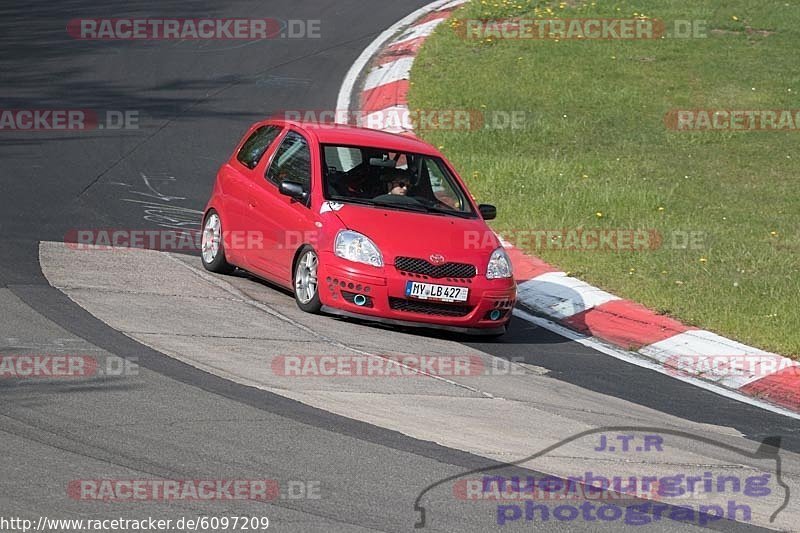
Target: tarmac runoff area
(246, 331)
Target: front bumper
(350, 289)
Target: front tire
(212, 247)
(306, 286)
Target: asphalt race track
(347, 455)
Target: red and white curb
(378, 83)
(381, 71)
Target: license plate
(431, 291)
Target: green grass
(594, 141)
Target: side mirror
(488, 211)
(293, 190)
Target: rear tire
(305, 282)
(212, 246)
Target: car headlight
(354, 246)
(499, 265)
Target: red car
(360, 223)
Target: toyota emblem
(437, 259)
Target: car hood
(409, 234)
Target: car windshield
(398, 180)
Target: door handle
(252, 204)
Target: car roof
(329, 133)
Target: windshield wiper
(362, 201)
(410, 207)
(443, 211)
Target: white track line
(638, 360)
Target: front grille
(447, 270)
(428, 308)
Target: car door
(284, 222)
(238, 176)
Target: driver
(397, 183)
(399, 186)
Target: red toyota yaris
(360, 223)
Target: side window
(438, 182)
(443, 189)
(292, 161)
(254, 147)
